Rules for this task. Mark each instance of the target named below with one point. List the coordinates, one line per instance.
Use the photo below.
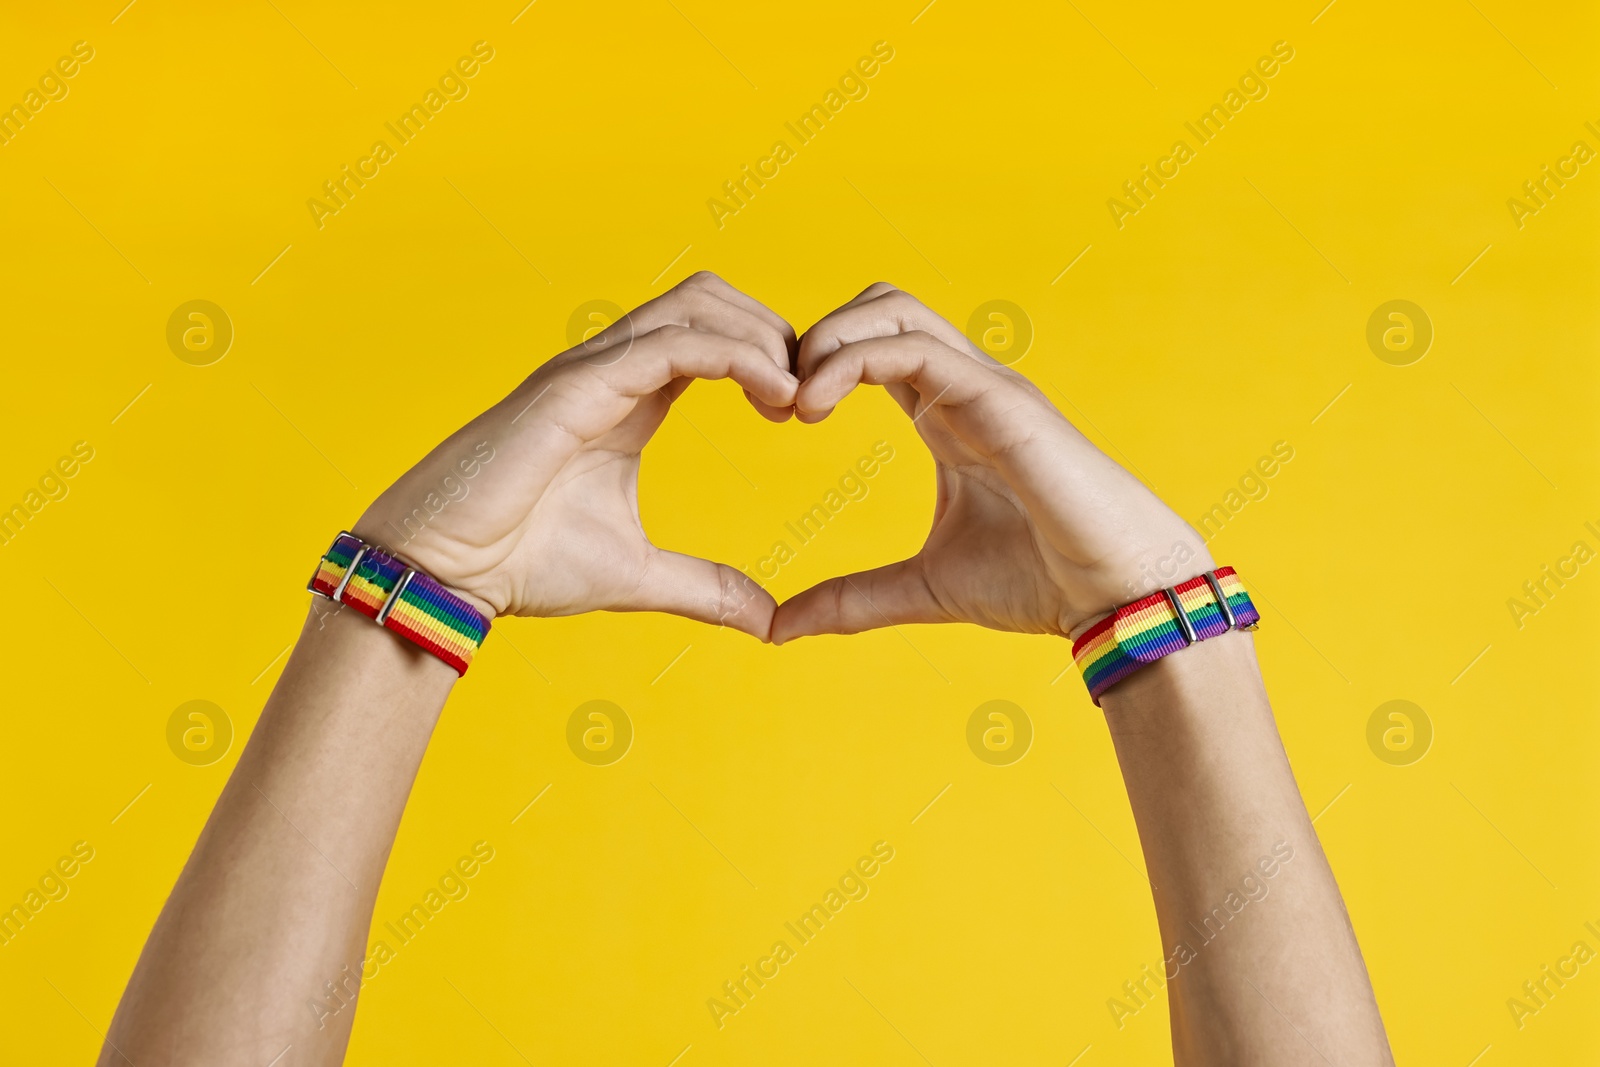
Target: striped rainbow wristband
(1138, 634)
(400, 598)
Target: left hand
(1034, 528)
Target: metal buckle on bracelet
(1185, 626)
(337, 596)
(311, 586)
(1222, 598)
(394, 595)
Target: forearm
(267, 924)
(1262, 965)
(277, 896)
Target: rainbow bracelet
(400, 598)
(1138, 634)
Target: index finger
(940, 374)
(880, 311)
(991, 410)
(732, 294)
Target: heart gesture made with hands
(1034, 529)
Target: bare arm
(530, 509)
(1035, 531)
(278, 893)
(1261, 963)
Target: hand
(532, 508)
(1034, 529)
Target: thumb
(699, 589)
(769, 411)
(866, 600)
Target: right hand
(550, 525)
(1034, 529)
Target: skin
(1035, 531)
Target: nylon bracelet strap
(1138, 634)
(401, 599)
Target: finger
(876, 289)
(995, 414)
(885, 596)
(701, 301)
(871, 292)
(941, 375)
(683, 352)
(572, 401)
(706, 309)
(712, 283)
(705, 302)
(880, 310)
(708, 592)
(769, 412)
(903, 394)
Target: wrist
(402, 598)
(415, 553)
(1186, 686)
(345, 636)
(1126, 642)
(1162, 560)
(1134, 576)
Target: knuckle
(732, 592)
(672, 333)
(755, 354)
(1021, 383)
(692, 299)
(775, 346)
(902, 302)
(701, 279)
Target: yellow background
(1222, 318)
